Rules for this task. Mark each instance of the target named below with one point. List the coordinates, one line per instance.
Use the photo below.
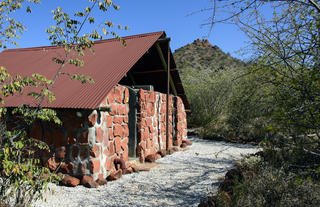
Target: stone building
(121, 115)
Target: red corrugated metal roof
(110, 62)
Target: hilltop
(201, 55)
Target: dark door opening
(133, 101)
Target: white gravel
(180, 179)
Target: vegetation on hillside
(225, 102)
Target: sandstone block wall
(152, 122)
(180, 122)
(94, 138)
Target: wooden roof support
(165, 66)
(152, 71)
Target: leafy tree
(286, 48)
(22, 177)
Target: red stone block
(178, 142)
(141, 95)
(111, 134)
(163, 108)
(125, 156)
(94, 151)
(111, 149)
(109, 164)
(148, 144)
(109, 120)
(151, 129)
(114, 109)
(145, 134)
(124, 144)
(84, 137)
(125, 131)
(144, 114)
(111, 97)
(122, 109)
(126, 119)
(75, 152)
(163, 97)
(117, 130)
(151, 158)
(152, 97)
(86, 179)
(94, 166)
(105, 141)
(70, 181)
(143, 145)
(101, 180)
(83, 152)
(115, 175)
(149, 121)
(52, 164)
(117, 144)
(92, 119)
(105, 101)
(99, 134)
(150, 109)
(118, 119)
(118, 94)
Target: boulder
(129, 170)
(67, 167)
(172, 150)
(91, 184)
(150, 158)
(52, 164)
(120, 164)
(162, 152)
(101, 181)
(115, 175)
(144, 169)
(188, 142)
(70, 181)
(158, 156)
(135, 168)
(86, 179)
(183, 145)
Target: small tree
(22, 176)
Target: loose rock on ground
(180, 179)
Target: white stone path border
(180, 179)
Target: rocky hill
(201, 55)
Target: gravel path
(180, 179)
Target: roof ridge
(95, 42)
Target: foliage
(225, 101)
(22, 176)
(266, 184)
(281, 88)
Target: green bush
(273, 187)
(228, 104)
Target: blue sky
(141, 16)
